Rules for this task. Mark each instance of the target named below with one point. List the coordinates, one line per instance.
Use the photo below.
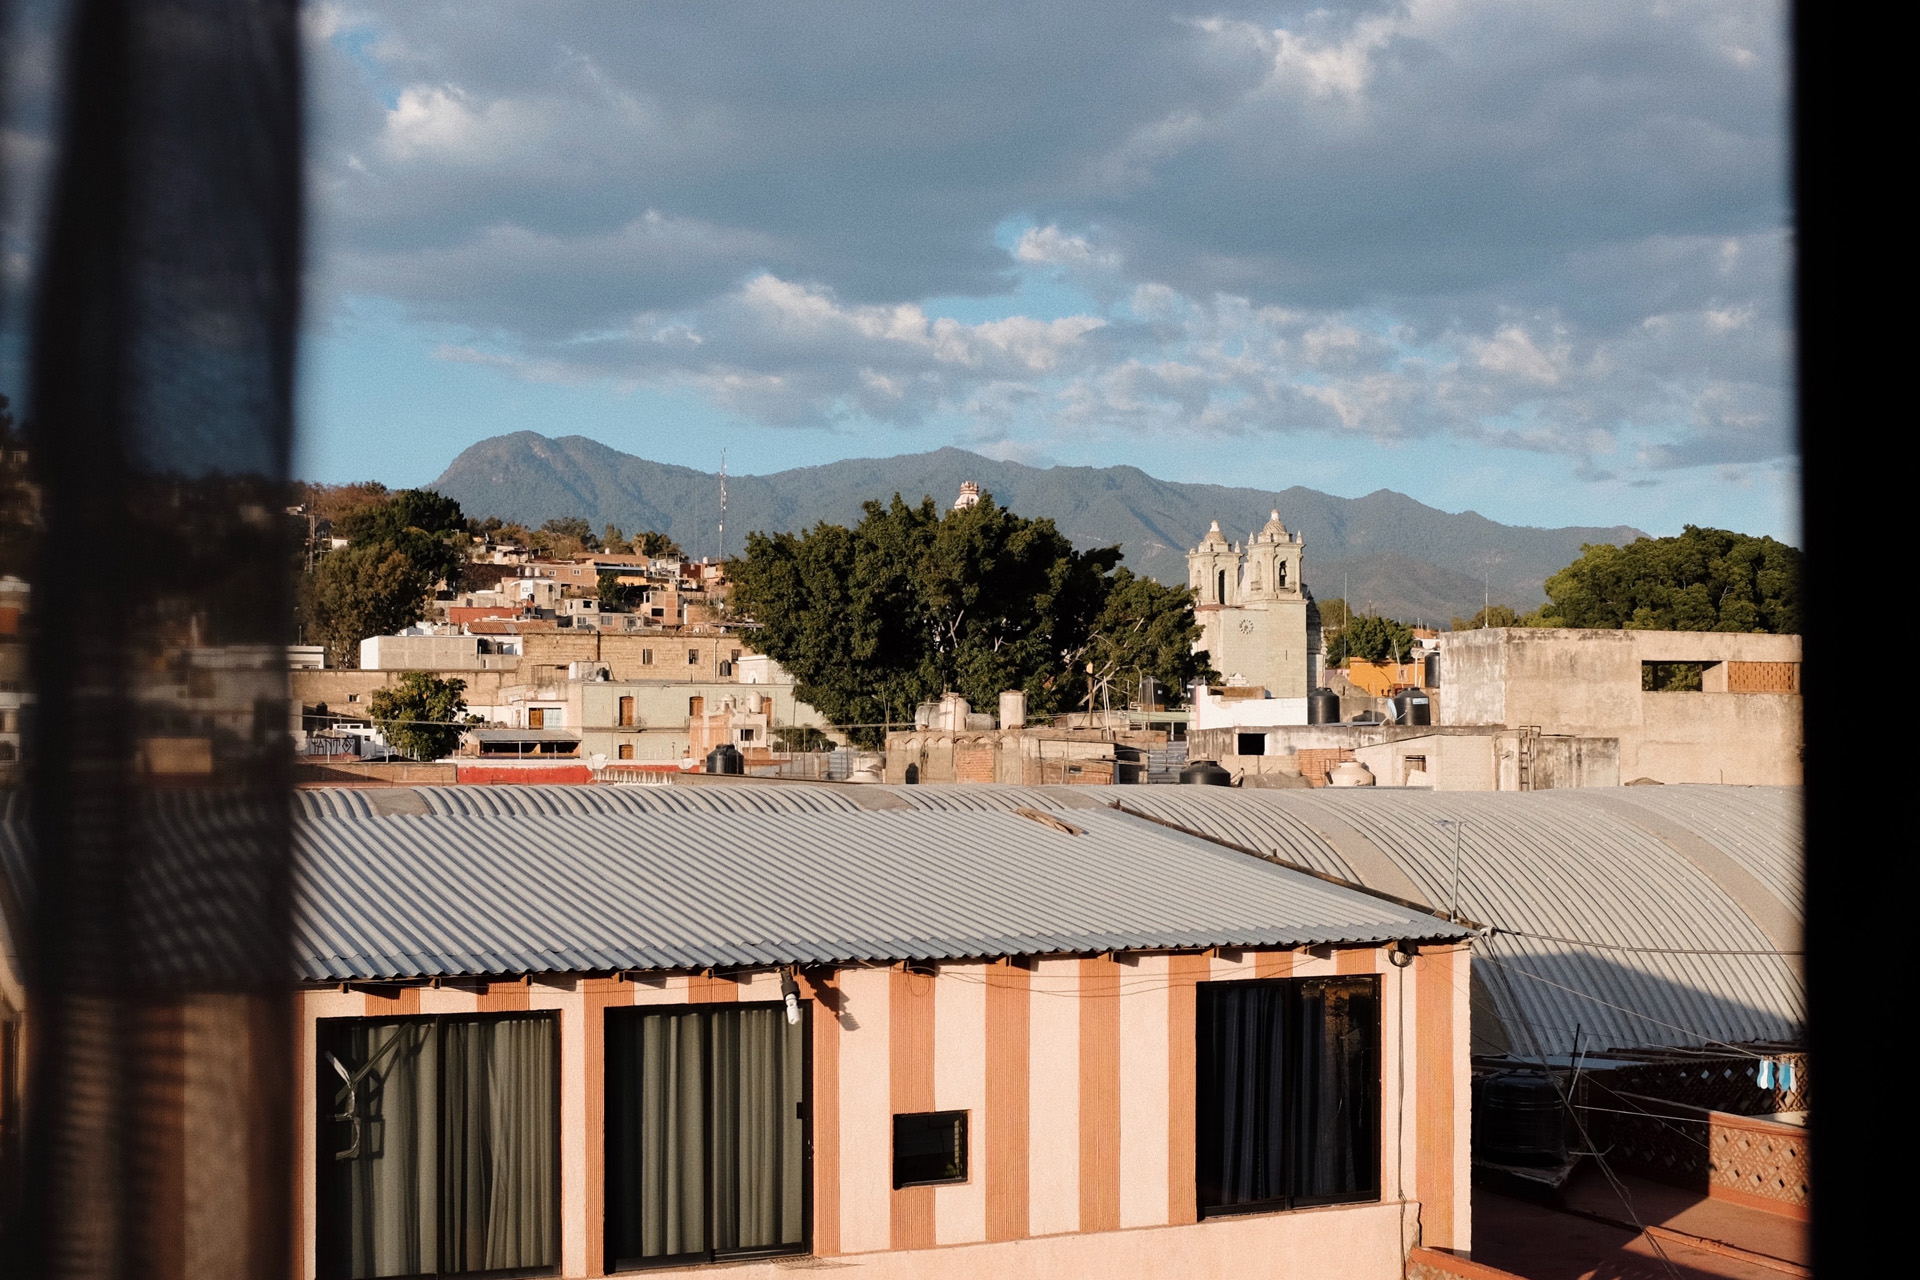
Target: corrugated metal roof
(467, 880)
(1613, 866)
(531, 879)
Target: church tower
(1213, 570)
(1273, 563)
(1252, 607)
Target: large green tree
(371, 590)
(1372, 638)
(399, 548)
(422, 716)
(913, 601)
(1702, 580)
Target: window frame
(323, 1153)
(612, 1265)
(966, 1149)
(1288, 1202)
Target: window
(646, 657)
(1280, 575)
(626, 713)
(1220, 590)
(929, 1147)
(735, 655)
(1672, 677)
(439, 1147)
(1251, 744)
(1412, 765)
(696, 705)
(726, 669)
(706, 1134)
(626, 751)
(746, 735)
(693, 657)
(1287, 1104)
(536, 717)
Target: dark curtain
(1287, 1105)
(453, 1165)
(159, 429)
(706, 1148)
(1335, 1091)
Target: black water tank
(725, 759)
(1323, 707)
(1411, 706)
(1206, 773)
(1517, 1120)
(1433, 670)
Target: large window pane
(438, 1145)
(1287, 1097)
(706, 1136)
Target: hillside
(1406, 558)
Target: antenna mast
(723, 506)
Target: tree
(616, 595)
(1372, 638)
(614, 542)
(564, 537)
(914, 601)
(1145, 629)
(422, 717)
(1702, 580)
(426, 528)
(1493, 615)
(370, 590)
(1334, 616)
(657, 545)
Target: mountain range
(1384, 550)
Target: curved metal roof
(1643, 875)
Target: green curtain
(706, 1151)
(456, 1169)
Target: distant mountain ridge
(1385, 549)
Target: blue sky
(1529, 260)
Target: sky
(1529, 259)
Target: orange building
(658, 1027)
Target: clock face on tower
(1246, 625)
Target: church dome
(1274, 530)
(1214, 536)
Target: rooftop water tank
(1206, 773)
(1411, 706)
(1350, 773)
(725, 759)
(1517, 1120)
(1323, 707)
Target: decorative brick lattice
(1759, 1162)
(1763, 677)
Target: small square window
(693, 657)
(646, 657)
(929, 1147)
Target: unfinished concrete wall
(1588, 684)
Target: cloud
(1554, 229)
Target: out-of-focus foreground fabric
(153, 973)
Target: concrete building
(1253, 609)
(1742, 724)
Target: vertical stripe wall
(1078, 1077)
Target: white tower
(1252, 608)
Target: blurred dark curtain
(157, 1027)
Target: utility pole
(723, 506)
